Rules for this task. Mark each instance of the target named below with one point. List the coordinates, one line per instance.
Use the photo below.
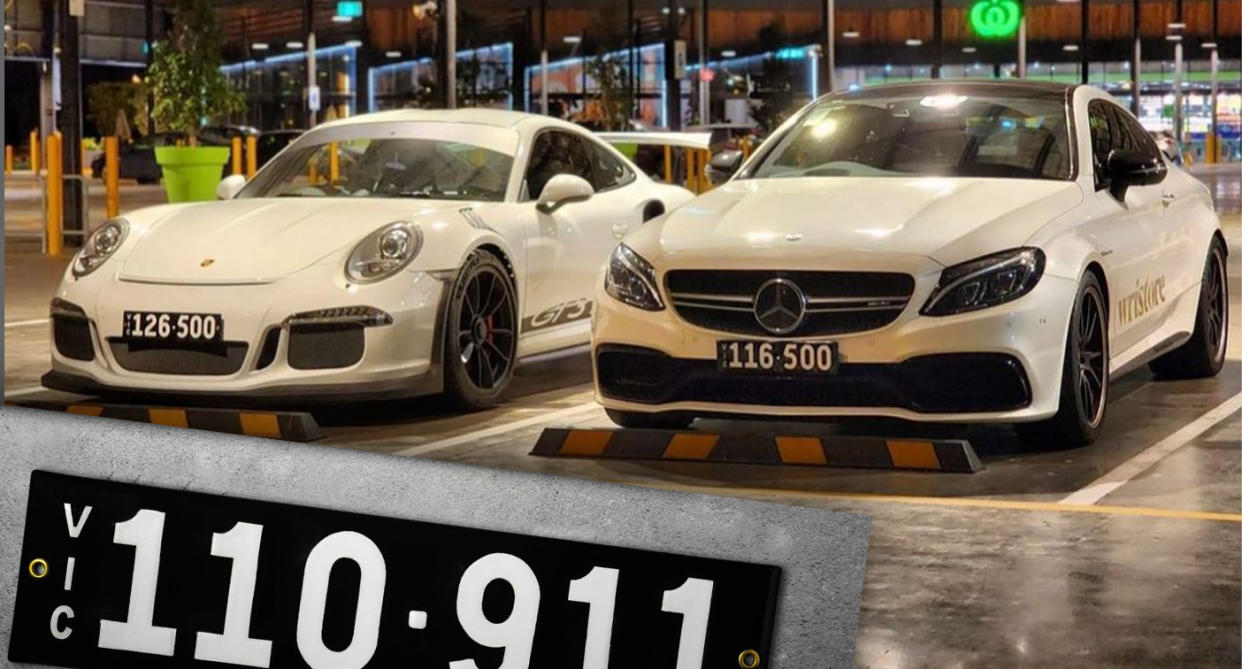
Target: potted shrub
(190, 89)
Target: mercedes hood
(947, 219)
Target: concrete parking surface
(1124, 553)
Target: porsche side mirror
(723, 165)
(563, 189)
(1132, 168)
(230, 186)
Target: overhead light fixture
(914, 41)
(572, 39)
(1177, 25)
(969, 49)
(354, 43)
(7, 27)
(728, 53)
(392, 54)
(680, 10)
(1070, 47)
(342, 19)
(1208, 45)
(850, 33)
(259, 46)
(293, 44)
(1173, 38)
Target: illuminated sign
(995, 19)
(350, 8)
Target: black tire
(1204, 353)
(1084, 376)
(673, 420)
(480, 333)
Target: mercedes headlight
(384, 252)
(100, 246)
(986, 282)
(631, 279)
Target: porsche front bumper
(265, 351)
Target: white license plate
(777, 357)
(173, 326)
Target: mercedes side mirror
(723, 165)
(1132, 168)
(563, 189)
(230, 186)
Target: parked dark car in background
(272, 141)
(138, 158)
(222, 135)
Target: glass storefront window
(274, 88)
(484, 79)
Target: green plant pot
(191, 173)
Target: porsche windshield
(924, 132)
(390, 167)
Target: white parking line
(439, 444)
(1136, 465)
(18, 324)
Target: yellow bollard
(745, 148)
(252, 156)
(34, 151)
(312, 170)
(691, 173)
(86, 167)
(112, 175)
(334, 162)
(55, 195)
(236, 151)
(704, 184)
(668, 164)
(8, 159)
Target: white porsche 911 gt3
(947, 251)
(388, 255)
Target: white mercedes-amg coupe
(388, 255)
(948, 251)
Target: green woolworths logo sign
(995, 19)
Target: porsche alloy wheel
(1204, 353)
(480, 333)
(1084, 376)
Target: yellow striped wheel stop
(287, 425)
(943, 455)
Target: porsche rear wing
(684, 140)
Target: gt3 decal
(1147, 296)
(559, 314)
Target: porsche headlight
(986, 282)
(631, 279)
(100, 246)
(384, 252)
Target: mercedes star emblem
(780, 306)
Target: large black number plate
(122, 575)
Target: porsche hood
(258, 240)
(845, 221)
